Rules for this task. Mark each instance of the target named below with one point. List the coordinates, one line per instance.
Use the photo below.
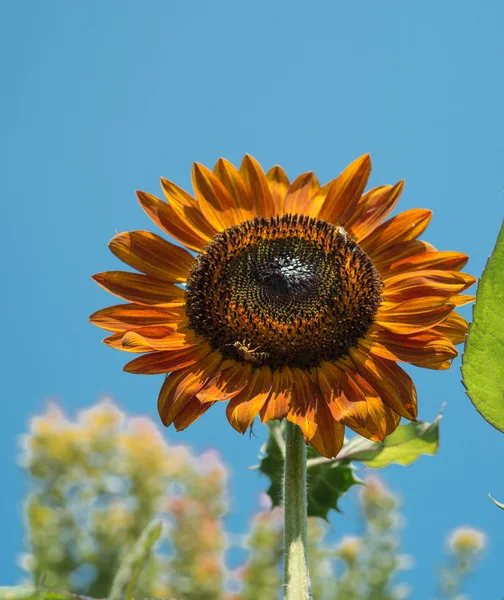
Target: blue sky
(102, 98)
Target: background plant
(101, 479)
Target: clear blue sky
(102, 98)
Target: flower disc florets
(293, 291)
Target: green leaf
(499, 504)
(403, 447)
(125, 581)
(327, 480)
(483, 359)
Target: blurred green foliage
(104, 483)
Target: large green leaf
(125, 581)
(404, 446)
(483, 359)
(327, 480)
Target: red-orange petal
(462, 299)
(426, 349)
(217, 205)
(123, 317)
(115, 341)
(446, 261)
(381, 421)
(299, 194)
(453, 327)
(233, 182)
(330, 434)
(401, 228)
(187, 208)
(316, 202)
(159, 338)
(167, 361)
(398, 252)
(179, 228)
(373, 208)
(345, 192)
(140, 289)
(412, 316)
(426, 283)
(190, 413)
(278, 184)
(152, 255)
(243, 408)
(394, 385)
(277, 405)
(301, 409)
(258, 186)
(179, 387)
(343, 397)
(227, 383)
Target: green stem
(296, 576)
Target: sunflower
(285, 300)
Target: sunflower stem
(296, 575)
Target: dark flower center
(283, 291)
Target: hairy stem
(296, 576)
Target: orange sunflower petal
(462, 299)
(453, 327)
(243, 408)
(140, 289)
(299, 194)
(343, 397)
(152, 255)
(217, 205)
(167, 361)
(159, 338)
(373, 208)
(123, 317)
(426, 283)
(301, 409)
(330, 434)
(172, 223)
(394, 385)
(381, 420)
(398, 252)
(115, 341)
(190, 413)
(227, 383)
(277, 405)
(427, 348)
(402, 228)
(187, 208)
(179, 387)
(278, 184)
(233, 182)
(446, 261)
(345, 192)
(258, 186)
(412, 316)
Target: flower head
(286, 300)
(466, 540)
